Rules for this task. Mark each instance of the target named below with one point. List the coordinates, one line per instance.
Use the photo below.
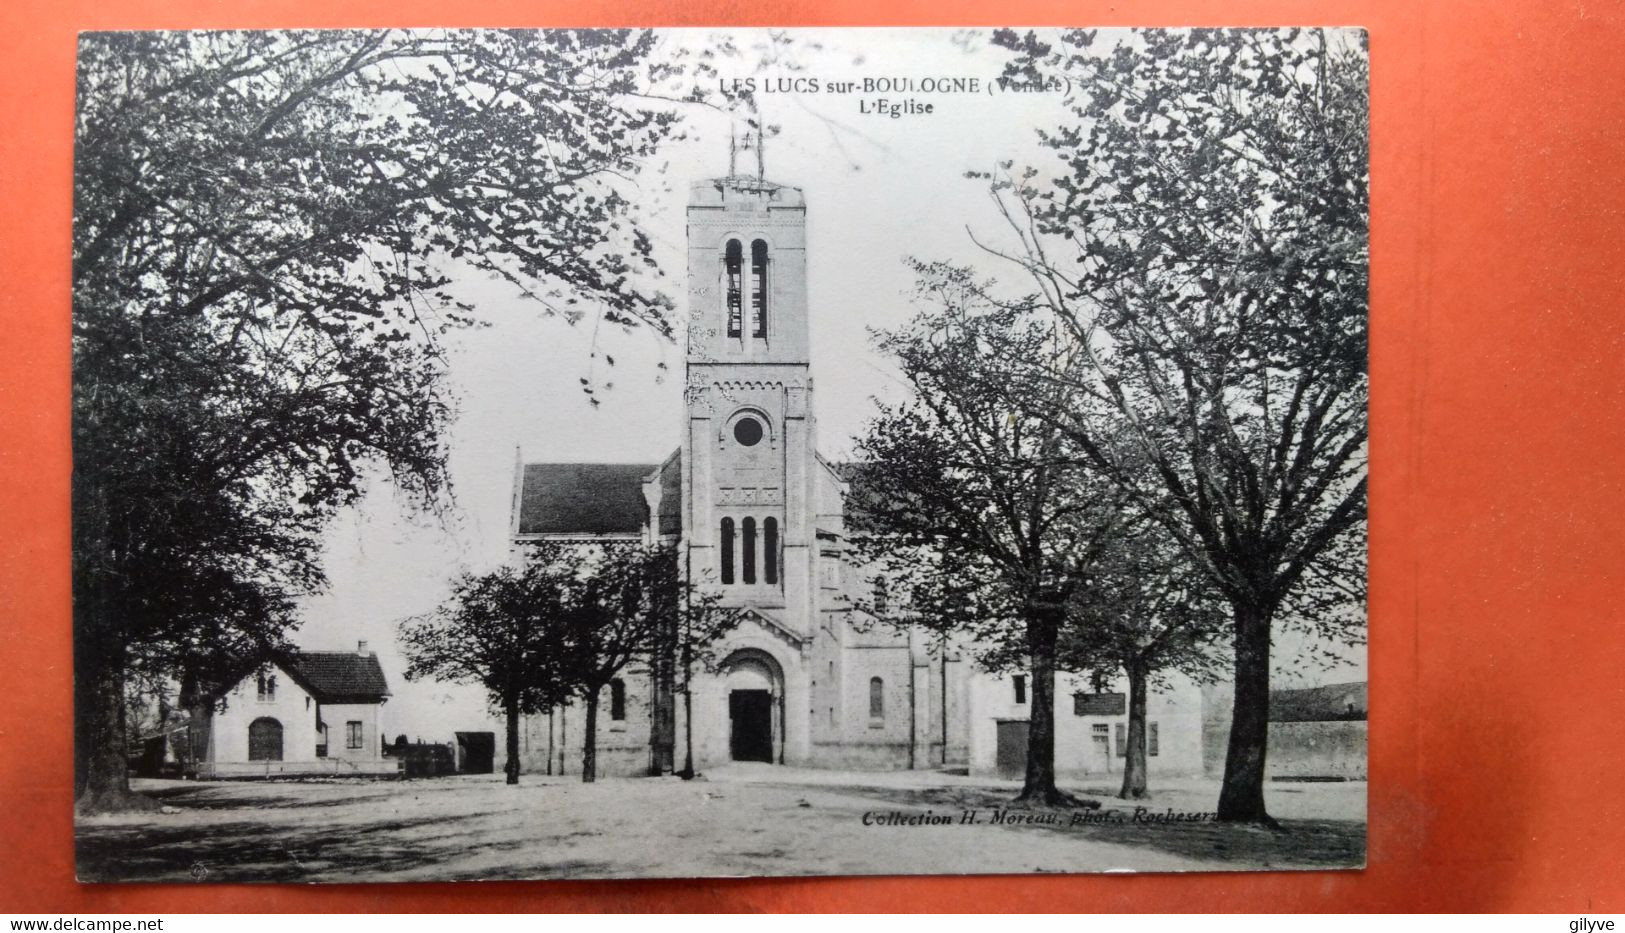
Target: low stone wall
(316, 767)
(1325, 749)
(1330, 749)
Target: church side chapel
(805, 679)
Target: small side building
(1091, 727)
(294, 715)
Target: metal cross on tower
(734, 145)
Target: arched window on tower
(758, 288)
(877, 698)
(733, 260)
(727, 550)
(750, 550)
(617, 700)
(770, 550)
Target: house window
(617, 700)
(352, 734)
(770, 550)
(750, 550)
(267, 686)
(877, 698)
(1150, 739)
(733, 259)
(727, 550)
(758, 288)
(1020, 683)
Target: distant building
(304, 713)
(1091, 727)
(1315, 733)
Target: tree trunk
(1038, 786)
(687, 773)
(1134, 767)
(688, 732)
(589, 745)
(102, 776)
(510, 706)
(1241, 797)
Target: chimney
(361, 647)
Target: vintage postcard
(530, 454)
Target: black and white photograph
(694, 453)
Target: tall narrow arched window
(877, 698)
(770, 550)
(727, 550)
(750, 550)
(617, 700)
(733, 260)
(758, 288)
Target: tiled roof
(339, 676)
(594, 498)
(1319, 704)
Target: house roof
(338, 676)
(593, 498)
(1319, 704)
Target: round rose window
(748, 431)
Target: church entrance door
(750, 713)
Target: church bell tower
(748, 453)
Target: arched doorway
(755, 687)
(265, 740)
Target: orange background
(1497, 476)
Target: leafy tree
(983, 511)
(501, 630)
(629, 605)
(1203, 244)
(1145, 614)
(266, 227)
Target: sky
(879, 189)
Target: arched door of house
(265, 740)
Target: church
(758, 515)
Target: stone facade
(283, 719)
(760, 516)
